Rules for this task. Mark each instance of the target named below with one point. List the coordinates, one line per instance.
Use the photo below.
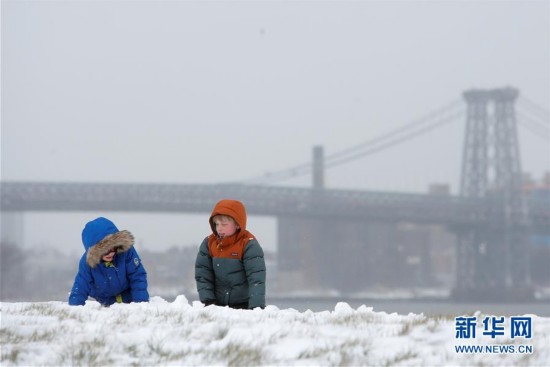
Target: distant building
(11, 228)
(349, 257)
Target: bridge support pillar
(327, 254)
(300, 241)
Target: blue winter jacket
(125, 276)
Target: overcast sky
(212, 91)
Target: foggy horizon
(209, 92)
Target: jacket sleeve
(254, 266)
(137, 276)
(82, 284)
(204, 274)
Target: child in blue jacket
(110, 270)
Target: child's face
(109, 256)
(225, 227)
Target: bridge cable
(394, 142)
(397, 131)
(529, 124)
(535, 120)
(535, 108)
(368, 147)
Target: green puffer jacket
(228, 281)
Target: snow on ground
(178, 333)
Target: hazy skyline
(207, 92)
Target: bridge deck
(260, 200)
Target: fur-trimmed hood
(122, 241)
(100, 236)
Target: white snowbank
(177, 333)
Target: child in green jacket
(230, 267)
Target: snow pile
(177, 333)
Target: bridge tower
(318, 168)
(492, 257)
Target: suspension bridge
(492, 217)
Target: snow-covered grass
(179, 333)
